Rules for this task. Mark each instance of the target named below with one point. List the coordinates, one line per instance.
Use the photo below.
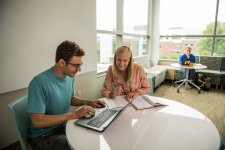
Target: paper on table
(118, 101)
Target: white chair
(20, 117)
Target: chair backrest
(20, 116)
(222, 144)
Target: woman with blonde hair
(125, 77)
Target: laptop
(102, 119)
(186, 62)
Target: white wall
(30, 31)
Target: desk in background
(186, 80)
(173, 127)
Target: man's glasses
(75, 65)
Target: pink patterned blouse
(139, 82)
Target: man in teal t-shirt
(50, 95)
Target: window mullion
(119, 21)
(215, 26)
(149, 24)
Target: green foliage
(220, 47)
(205, 44)
(209, 29)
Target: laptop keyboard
(99, 120)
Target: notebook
(102, 119)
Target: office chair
(20, 116)
(222, 144)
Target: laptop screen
(186, 61)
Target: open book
(140, 102)
(145, 101)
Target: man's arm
(40, 120)
(76, 101)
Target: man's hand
(84, 111)
(96, 103)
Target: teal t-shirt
(50, 95)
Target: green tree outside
(205, 44)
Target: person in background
(191, 57)
(50, 95)
(125, 77)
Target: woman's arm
(143, 86)
(107, 85)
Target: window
(186, 17)
(221, 18)
(135, 16)
(191, 22)
(106, 15)
(107, 44)
(129, 28)
(138, 45)
(219, 49)
(200, 24)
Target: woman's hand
(131, 95)
(116, 92)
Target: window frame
(119, 34)
(214, 35)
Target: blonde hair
(129, 70)
(188, 47)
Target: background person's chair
(20, 117)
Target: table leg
(186, 81)
(187, 76)
(179, 81)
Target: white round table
(173, 127)
(186, 80)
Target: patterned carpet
(211, 103)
